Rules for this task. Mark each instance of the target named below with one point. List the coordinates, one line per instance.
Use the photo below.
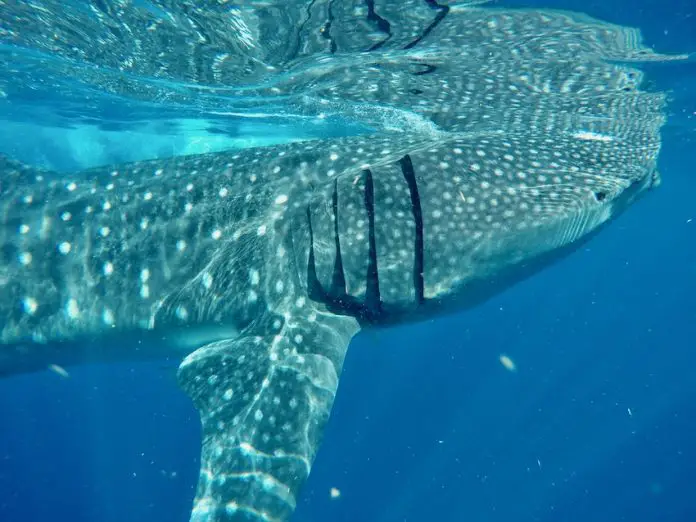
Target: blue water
(597, 423)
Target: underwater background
(597, 422)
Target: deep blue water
(597, 423)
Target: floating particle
(508, 363)
(335, 493)
(59, 370)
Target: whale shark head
(519, 203)
(446, 222)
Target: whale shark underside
(513, 136)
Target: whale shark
(514, 136)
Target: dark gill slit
(410, 177)
(338, 283)
(314, 288)
(373, 301)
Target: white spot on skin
(207, 280)
(24, 229)
(108, 268)
(279, 286)
(223, 192)
(261, 230)
(25, 258)
(258, 416)
(592, 136)
(30, 305)
(147, 196)
(253, 296)
(181, 312)
(281, 199)
(71, 186)
(145, 275)
(228, 394)
(66, 216)
(254, 276)
(72, 309)
(108, 317)
(181, 245)
(217, 234)
(104, 231)
(106, 205)
(145, 291)
(64, 248)
(333, 156)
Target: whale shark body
(523, 134)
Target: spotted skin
(159, 243)
(514, 136)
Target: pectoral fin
(264, 399)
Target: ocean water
(597, 422)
